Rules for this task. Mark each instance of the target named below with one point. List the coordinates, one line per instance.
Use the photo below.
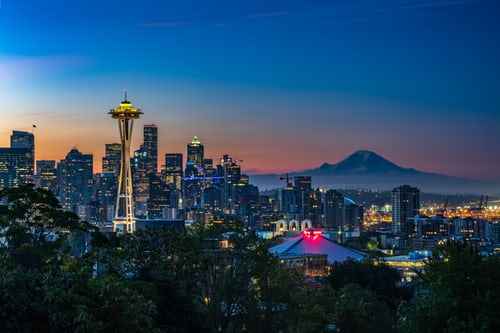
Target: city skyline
(282, 85)
(98, 157)
(249, 166)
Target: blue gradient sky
(283, 85)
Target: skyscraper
(159, 198)
(354, 214)
(124, 220)
(17, 162)
(195, 157)
(16, 167)
(140, 181)
(21, 139)
(334, 208)
(303, 189)
(105, 189)
(173, 170)
(342, 213)
(245, 199)
(46, 175)
(106, 183)
(193, 183)
(112, 158)
(150, 147)
(75, 180)
(208, 166)
(405, 205)
(232, 175)
(288, 201)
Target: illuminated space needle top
(126, 110)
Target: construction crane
(287, 178)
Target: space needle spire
(125, 113)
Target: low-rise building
(314, 252)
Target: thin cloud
(381, 9)
(166, 24)
(212, 21)
(268, 14)
(435, 4)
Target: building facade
(112, 158)
(195, 158)
(75, 180)
(173, 170)
(25, 140)
(150, 148)
(46, 175)
(405, 205)
(16, 167)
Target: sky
(281, 85)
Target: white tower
(124, 221)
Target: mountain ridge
(362, 161)
(367, 169)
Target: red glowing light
(312, 234)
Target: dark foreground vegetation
(58, 274)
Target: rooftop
(314, 242)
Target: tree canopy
(60, 274)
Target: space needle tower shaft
(124, 220)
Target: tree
(45, 288)
(34, 227)
(166, 266)
(460, 292)
(313, 308)
(359, 310)
(167, 281)
(382, 280)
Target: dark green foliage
(365, 294)
(35, 227)
(64, 301)
(460, 292)
(382, 280)
(358, 310)
(164, 281)
(44, 288)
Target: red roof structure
(313, 241)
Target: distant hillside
(366, 169)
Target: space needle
(124, 221)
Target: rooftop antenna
(125, 95)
